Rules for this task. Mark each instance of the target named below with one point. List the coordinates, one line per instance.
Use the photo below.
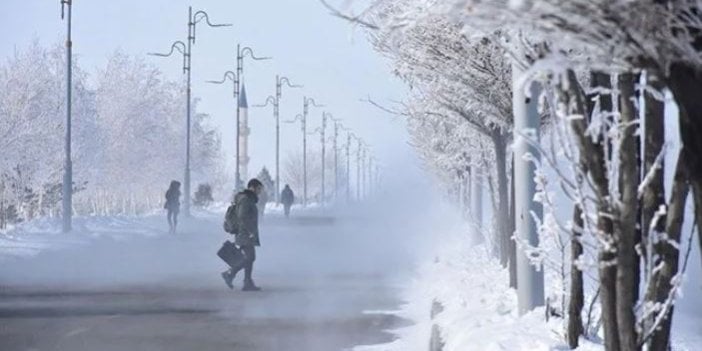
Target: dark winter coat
(172, 200)
(247, 218)
(287, 197)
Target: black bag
(231, 224)
(231, 254)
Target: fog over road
(329, 279)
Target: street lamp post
(234, 78)
(530, 279)
(322, 132)
(240, 54)
(186, 51)
(336, 161)
(275, 101)
(358, 170)
(377, 176)
(324, 154)
(67, 200)
(303, 118)
(370, 177)
(364, 159)
(348, 167)
(337, 126)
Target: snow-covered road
(327, 280)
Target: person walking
(246, 237)
(172, 205)
(287, 197)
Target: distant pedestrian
(173, 205)
(246, 233)
(287, 197)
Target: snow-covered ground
(126, 284)
(480, 310)
(29, 239)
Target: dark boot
(250, 286)
(228, 277)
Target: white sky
(328, 56)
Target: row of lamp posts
(185, 50)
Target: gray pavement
(329, 282)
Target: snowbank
(29, 239)
(480, 310)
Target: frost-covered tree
(454, 74)
(128, 136)
(293, 173)
(609, 44)
(32, 116)
(143, 129)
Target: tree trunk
(685, 83)
(503, 232)
(593, 162)
(608, 274)
(654, 193)
(697, 196)
(668, 256)
(577, 298)
(625, 224)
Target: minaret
(244, 137)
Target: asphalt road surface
(329, 282)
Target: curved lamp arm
(206, 17)
(247, 50)
(64, 3)
(228, 75)
(176, 46)
(299, 117)
(286, 81)
(270, 100)
(199, 16)
(312, 102)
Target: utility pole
(240, 54)
(324, 129)
(370, 176)
(322, 133)
(364, 164)
(303, 119)
(304, 151)
(530, 282)
(377, 176)
(67, 199)
(234, 78)
(358, 170)
(348, 167)
(337, 125)
(186, 51)
(275, 101)
(336, 161)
